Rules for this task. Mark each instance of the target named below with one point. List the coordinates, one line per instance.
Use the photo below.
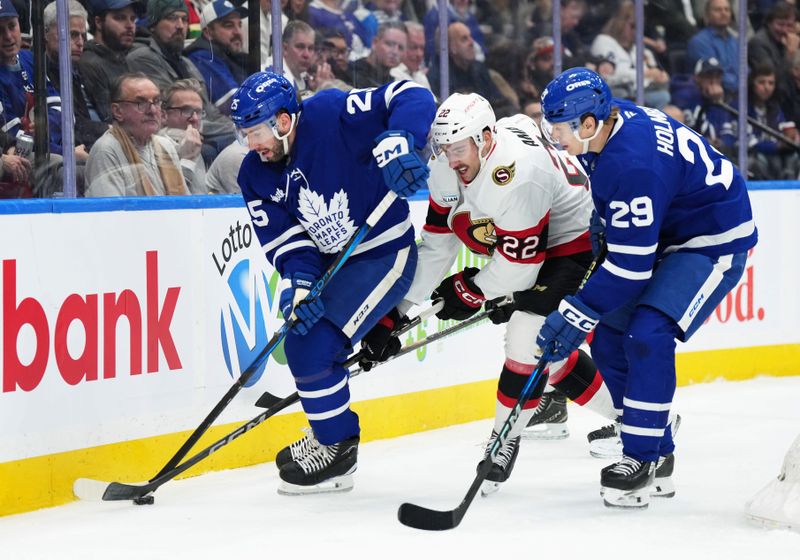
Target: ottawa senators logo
(477, 234)
(503, 175)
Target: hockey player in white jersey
(503, 191)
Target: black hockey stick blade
(98, 490)
(418, 517)
(267, 400)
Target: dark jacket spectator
(776, 43)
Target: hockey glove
(378, 345)
(307, 312)
(403, 170)
(564, 330)
(500, 309)
(462, 298)
(597, 233)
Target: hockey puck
(148, 500)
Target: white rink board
(56, 255)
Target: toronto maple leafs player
(678, 225)
(314, 173)
(502, 190)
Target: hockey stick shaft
(278, 337)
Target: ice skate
(605, 442)
(298, 449)
(663, 487)
(325, 468)
(503, 464)
(627, 483)
(549, 420)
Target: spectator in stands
(468, 74)
(677, 19)
(699, 104)
(412, 67)
(183, 119)
(266, 31)
(296, 10)
(386, 10)
(769, 158)
(113, 26)
(301, 65)
(533, 109)
(218, 53)
(16, 83)
(15, 170)
(575, 51)
(616, 44)
(388, 50)
(539, 67)
(458, 11)
(717, 41)
(161, 59)
(776, 43)
(791, 102)
(131, 159)
(675, 112)
(223, 173)
(329, 14)
(333, 49)
(88, 124)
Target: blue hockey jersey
(306, 207)
(661, 188)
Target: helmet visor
(457, 150)
(559, 132)
(256, 135)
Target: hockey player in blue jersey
(678, 225)
(313, 175)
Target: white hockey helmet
(460, 116)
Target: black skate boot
(326, 468)
(663, 486)
(626, 484)
(503, 464)
(549, 420)
(298, 449)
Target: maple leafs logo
(329, 225)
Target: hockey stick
(427, 519)
(276, 339)
(268, 399)
(419, 517)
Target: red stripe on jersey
(580, 244)
(519, 367)
(557, 376)
(591, 390)
(436, 229)
(438, 208)
(511, 402)
(525, 246)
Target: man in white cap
(218, 54)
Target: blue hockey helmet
(575, 93)
(260, 97)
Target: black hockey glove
(462, 298)
(378, 345)
(500, 309)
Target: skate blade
(489, 487)
(662, 488)
(606, 449)
(546, 432)
(337, 484)
(625, 499)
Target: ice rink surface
(732, 441)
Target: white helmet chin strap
(285, 137)
(585, 141)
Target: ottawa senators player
(505, 192)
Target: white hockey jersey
(529, 202)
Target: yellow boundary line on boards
(46, 481)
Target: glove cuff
(466, 289)
(578, 314)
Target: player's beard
(277, 154)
